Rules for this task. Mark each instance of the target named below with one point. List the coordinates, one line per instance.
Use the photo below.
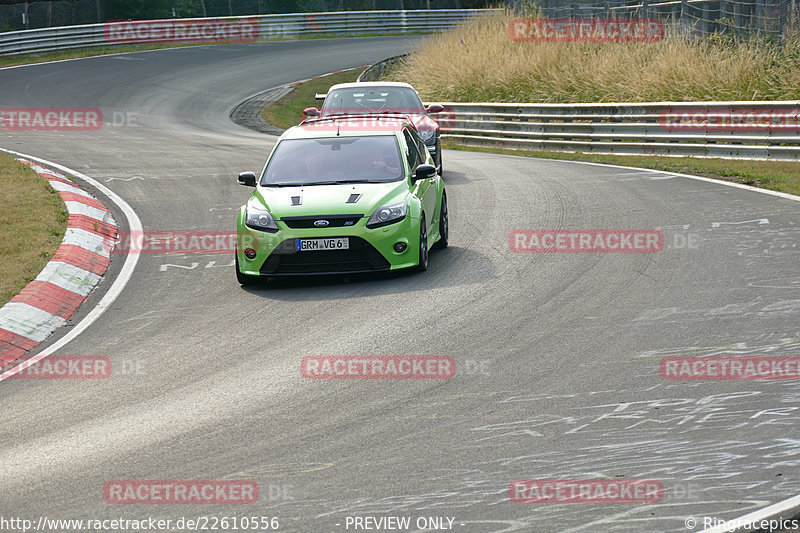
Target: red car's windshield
(356, 100)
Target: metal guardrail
(376, 71)
(700, 17)
(270, 27)
(732, 129)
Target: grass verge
(33, 219)
(783, 176)
(288, 111)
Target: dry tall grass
(479, 62)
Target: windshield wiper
(327, 182)
(334, 182)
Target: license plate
(310, 245)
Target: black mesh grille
(360, 257)
(334, 221)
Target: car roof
(368, 84)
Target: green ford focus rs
(342, 195)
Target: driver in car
(388, 162)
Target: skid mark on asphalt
(783, 345)
(755, 308)
(684, 437)
(777, 283)
(768, 243)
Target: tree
(136, 9)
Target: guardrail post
(684, 15)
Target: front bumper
(371, 250)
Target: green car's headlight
(388, 214)
(257, 217)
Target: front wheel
(444, 225)
(423, 245)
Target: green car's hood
(331, 199)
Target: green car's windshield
(334, 160)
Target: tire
(422, 266)
(243, 279)
(444, 225)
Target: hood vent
(297, 200)
(353, 198)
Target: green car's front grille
(360, 257)
(333, 221)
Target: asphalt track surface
(557, 354)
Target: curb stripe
(55, 179)
(50, 298)
(28, 321)
(79, 208)
(13, 346)
(69, 277)
(92, 225)
(95, 243)
(75, 255)
(72, 197)
(47, 173)
(60, 186)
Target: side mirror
(434, 108)
(424, 172)
(247, 178)
(310, 112)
